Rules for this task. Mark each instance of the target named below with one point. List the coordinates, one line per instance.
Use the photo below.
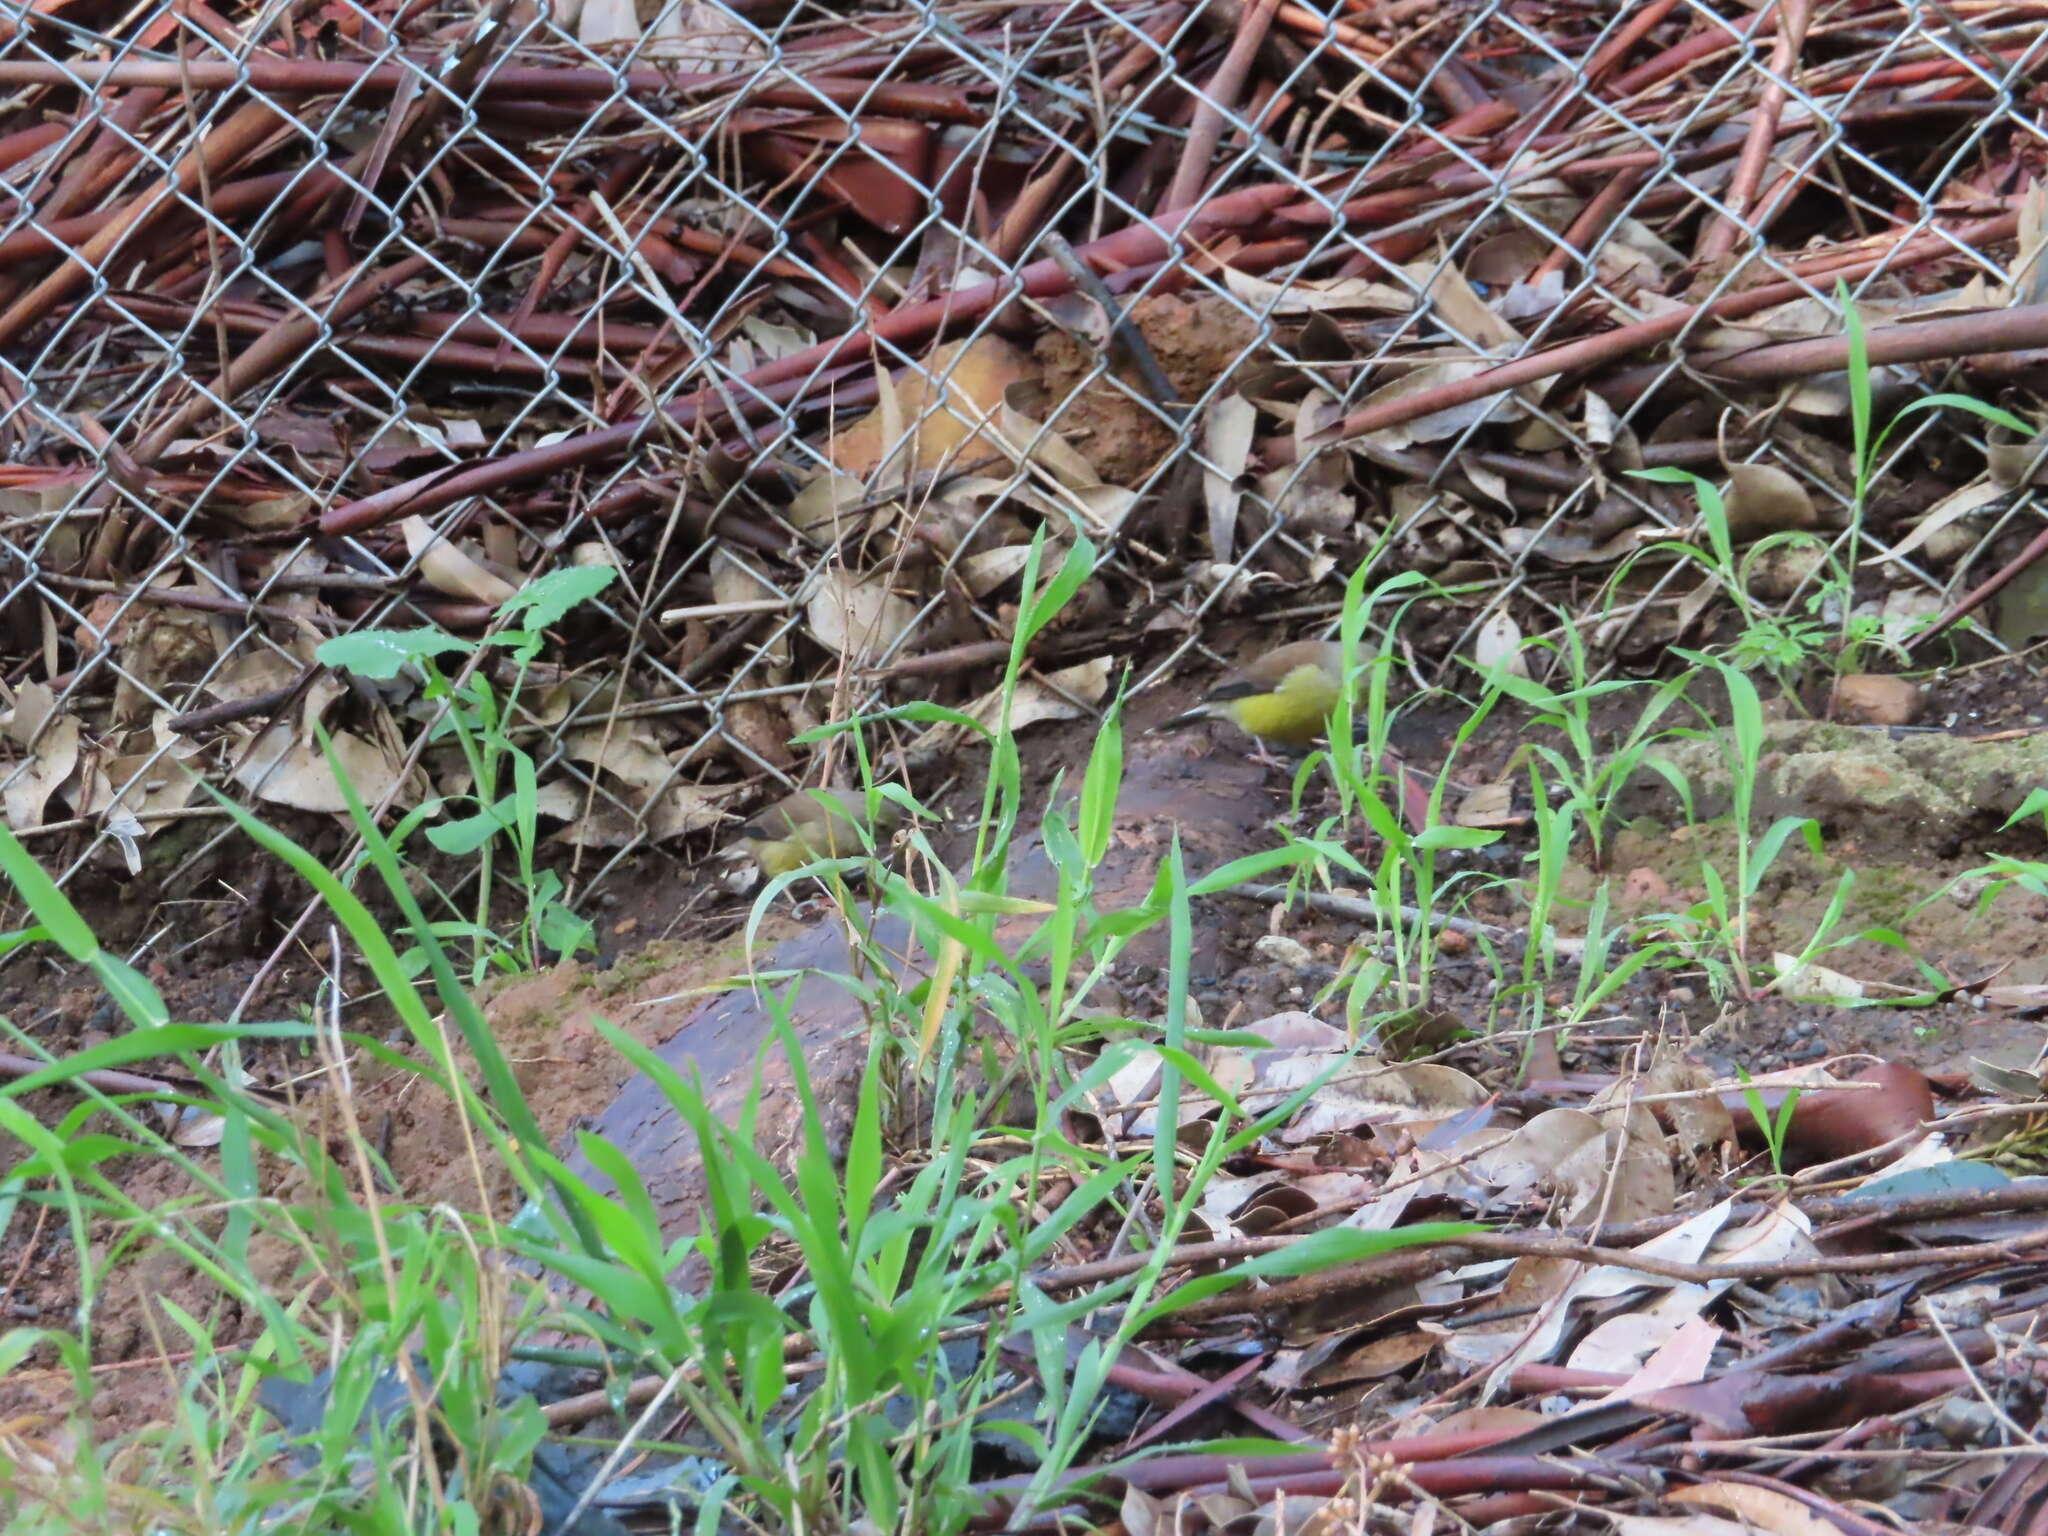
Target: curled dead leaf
(858, 617)
(448, 569)
(1764, 499)
(1942, 516)
(1227, 428)
(939, 412)
(1313, 298)
(283, 769)
(52, 743)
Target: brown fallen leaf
(284, 770)
(446, 568)
(859, 617)
(1761, 1509)
(52, 740)
(1764, 499)
(1840, 1122)
(941, 412)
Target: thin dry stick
(225, 147)
(1214, 104)
(1592, 351)
(1720, 235)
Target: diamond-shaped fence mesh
(322, 316)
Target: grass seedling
(1781, 644)
(1407, 878)
(1592, 778)
(503, 800)
(1716, 930)
(1773, 1127)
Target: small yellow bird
(814, 824)
(1285, 696)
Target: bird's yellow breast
(779, 858)
(1296, 712)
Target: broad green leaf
(545, 599)
(381, 653)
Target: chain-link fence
(322, 316)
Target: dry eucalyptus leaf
(251, 675)
(944, 408)
(1364, 1091)
(284, 770)
(1642, 1183)
(1686, 1243)
(1566, 545)
(1227, 428)
(1808, 982)
(1305, 506)
(163, 648)
(1500, 640)
(732, 581)
(2022, 608)
(52, 760)
(447, 569)
(1539, 1154)
(1312, 298)
(1528, 301)
(1677, 1525)
(1905, 612)
(2010, 462)
(1600, 424)
(707, 37)
(629, 751)
(271, 515)
(860, 618)
(1953, 507)
(1450, 421)
(436, 433)
(1462, 310)
(824, 502)
(676, 812)
(899, 448)
(1490, 805)
(1051, 698)
(1783, 569)
(2029, 268)
(988, 570)
(196, 1128)
(1622, 1343)
(1493, 483)
(1030, 441)
(146, 783)
(1507, 258)
(1761, 1510)
(1764, 499)
(1536, 435)
(1700, 1121)
(607, 23)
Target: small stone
(1965, 1421)
(1965, 889)
(1281, 950)
(1645, 884)
(1870, 698)
(624, 926)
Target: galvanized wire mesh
(322, 317)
